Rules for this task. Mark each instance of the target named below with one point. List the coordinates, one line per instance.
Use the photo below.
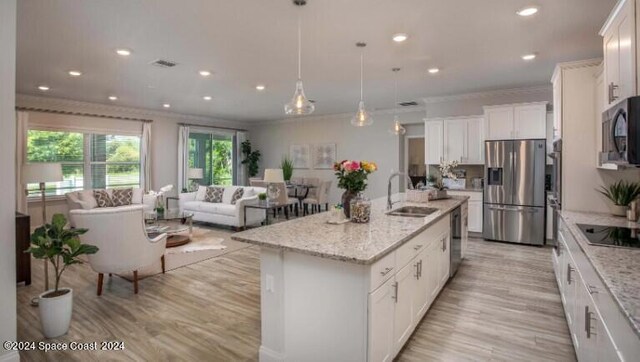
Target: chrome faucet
(389, 202)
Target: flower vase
(360, 209)
(347, 196)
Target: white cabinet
(421, 294)
(549, 137)
(455, 139)
(432, 270)
(403, 315)
(444, 261)
(464, 234)
(556, 80)
(598, 328)
(381, 315)
(474, 209)
(516, 121)
(619, 47)
(499, 123)
(434, 142)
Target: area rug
(206, 243)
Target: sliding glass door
(214, 153)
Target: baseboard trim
(12, 356)
(269, 355)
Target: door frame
(406, 157)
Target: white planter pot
(55, 313)
(618, 210)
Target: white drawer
(382, 270)
(411, 248)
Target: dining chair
(279, 189)
(320, 198)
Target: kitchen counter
(467, 189)
(350, 242)
(619, 268)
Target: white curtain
(22, 127)
(145, 157)
(241, 169)
(183, 157)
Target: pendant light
(397, 128)
(299, 104)
(362, 118)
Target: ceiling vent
(162, 63)
(408, 104)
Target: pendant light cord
(395, 104)
(361, 74)
(299, 46)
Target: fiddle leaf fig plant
(60, 246)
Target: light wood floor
(502, 305)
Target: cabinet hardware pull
(386, 271)
(613, 91)
(420, 269)
(417, 247)
(587, 321)
(417, 266)
(569, 270)
(592, 289)
(395, 292)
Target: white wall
(164, 138)
(374, 143)
(7, 177)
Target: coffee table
(177, 225)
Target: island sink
(412, 211)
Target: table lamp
(194, 174)
(40, 173)
(272, 175)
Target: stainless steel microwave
(621, 133)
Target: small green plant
(262, 196)
(251, 158)
(287, 168)
(60, 246)
(622, 192)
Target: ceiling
(477, 45)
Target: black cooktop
(611, 235)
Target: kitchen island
(350, 292)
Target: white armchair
(121, 237)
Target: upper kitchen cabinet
(516, 121)
(619, 45)
(455, 139)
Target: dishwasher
(456, 241)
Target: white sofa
(224, 213)
(84, 200)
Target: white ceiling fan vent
(408, 104)
(163, 63)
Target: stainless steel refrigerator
(514, 193)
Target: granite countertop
(467, 189)
(619, 268)
(350, 242)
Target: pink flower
(351, 166)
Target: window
(214, 154)
(89, 161)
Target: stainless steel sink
(412, 211)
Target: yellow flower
(368, 166)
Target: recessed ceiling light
(205, 73)
(123, 52)
(207, 98)
(261, 87)
(528, 11)
(43, 88)
(529, 57)
(75, 73)
(113, 98)
(166, 105)
(400, 37)
(433, 70)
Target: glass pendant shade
(362, 118)
(397, 128)
(299, 104)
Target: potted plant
(262, 196)
(352, 177)
(445, 169)
(621, 194)
(61, 247)
(287, 168)
(251, 158)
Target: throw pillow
(201, 193)
(122, 197)
(214, 194)
(103, 198)
(237, 195)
